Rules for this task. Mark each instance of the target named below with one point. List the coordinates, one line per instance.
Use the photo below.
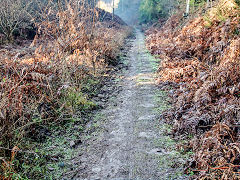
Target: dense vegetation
(54, 55)
(49, 79)
(153, 10)
(147, 11)
(200, 61)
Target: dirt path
(130, 142)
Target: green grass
(47, 156)
(51, 158)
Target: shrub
(14, 17)
(203, 65)
(43, 83)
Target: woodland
(55, 56)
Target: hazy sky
(128, 11)
(108, 4)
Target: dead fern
(73, 43)
(201, 60)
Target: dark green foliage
(238, 2)
(152, 10)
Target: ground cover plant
(200, 59)
(43, 80)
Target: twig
(213, 125)
(218, 168)
(19, 151)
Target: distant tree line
(152, 10)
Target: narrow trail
(130, 143)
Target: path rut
(130, 144)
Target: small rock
(103, 100)
(171, 92)
(157, 151)
(101, 95)
(72, 143)
(61, 164)
(105, 88)
(54, 159)
(50, 169)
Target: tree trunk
(207, 6)
(188, 7)
(113, 11)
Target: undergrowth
(51, 80)
(200, 60)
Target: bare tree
(13, 16)
(113, 9)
